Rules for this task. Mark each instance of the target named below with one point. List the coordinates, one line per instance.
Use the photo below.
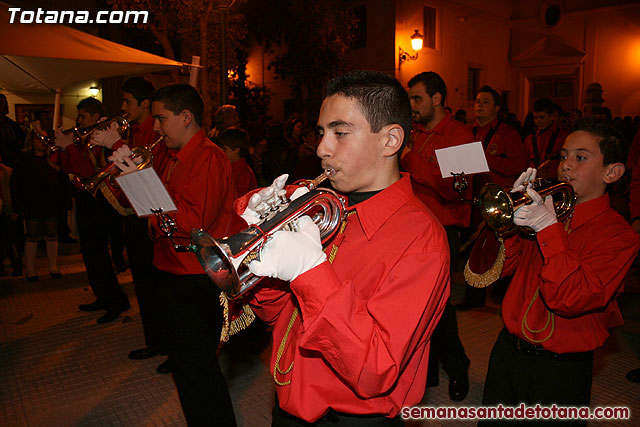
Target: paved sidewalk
(58, 367)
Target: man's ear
(146, 103)
(394, 136)
(187, 118)
(614, 172)
(436, 99)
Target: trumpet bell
(496, 208)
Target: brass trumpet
(497, 206)
(81, 134)
(225, 260)
(92, 183)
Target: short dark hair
(432, 82)
(611, 141)
(179, 97)
(91, 106)
(382, 98)
(235, 137)
(139, 87)
(493, 92)
(544, 104)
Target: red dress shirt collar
(492, 124)
(588, 210)
(439, 128)
(187, 151)
(376, 210)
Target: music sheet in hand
(145, 191)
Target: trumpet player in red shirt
(561, 303)
(352, 329)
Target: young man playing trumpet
(93, 216)
(351, 330)
(197, 176)
(136, 103)
(561, 301)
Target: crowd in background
(288, 147)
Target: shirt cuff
(552, 240)
(313, 287)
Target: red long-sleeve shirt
(361, 342)
(243, 177)
(80, 160)
(579, 274)
(505, 153)
(198, 179)
(429, 186)
(543, 138)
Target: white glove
(106, 137)
(524, 180)
(62, 140)
(538, 215)
(122, 158)
(259, 202)
(290, 253)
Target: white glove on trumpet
(262, 201)
(122, 159)
(106, 137)
(524, 180)
(538, 215)
(288, 254)
(62, 140)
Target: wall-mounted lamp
(416, 44)
(94, 90)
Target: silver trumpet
(225, 260)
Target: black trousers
(117, 241)
(191, 324)
(281, 418)
(8, 245)
(94, 216)
(446, 346)
(140, 253)
(519, 373)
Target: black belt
(525, 347)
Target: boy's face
(232, 154)
(348, 146)
(542, 119)
(131, 106)
(485, 107)
(169, 125)
(581, 166)
(86, 119)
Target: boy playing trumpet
(561, 301)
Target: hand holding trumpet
(539, 213)
(262, 202)
(288, 254)
(125, 161)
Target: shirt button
(544, 243)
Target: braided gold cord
(525, 324)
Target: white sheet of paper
(467, 158)
(145, 191)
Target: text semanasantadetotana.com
(522, 412)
